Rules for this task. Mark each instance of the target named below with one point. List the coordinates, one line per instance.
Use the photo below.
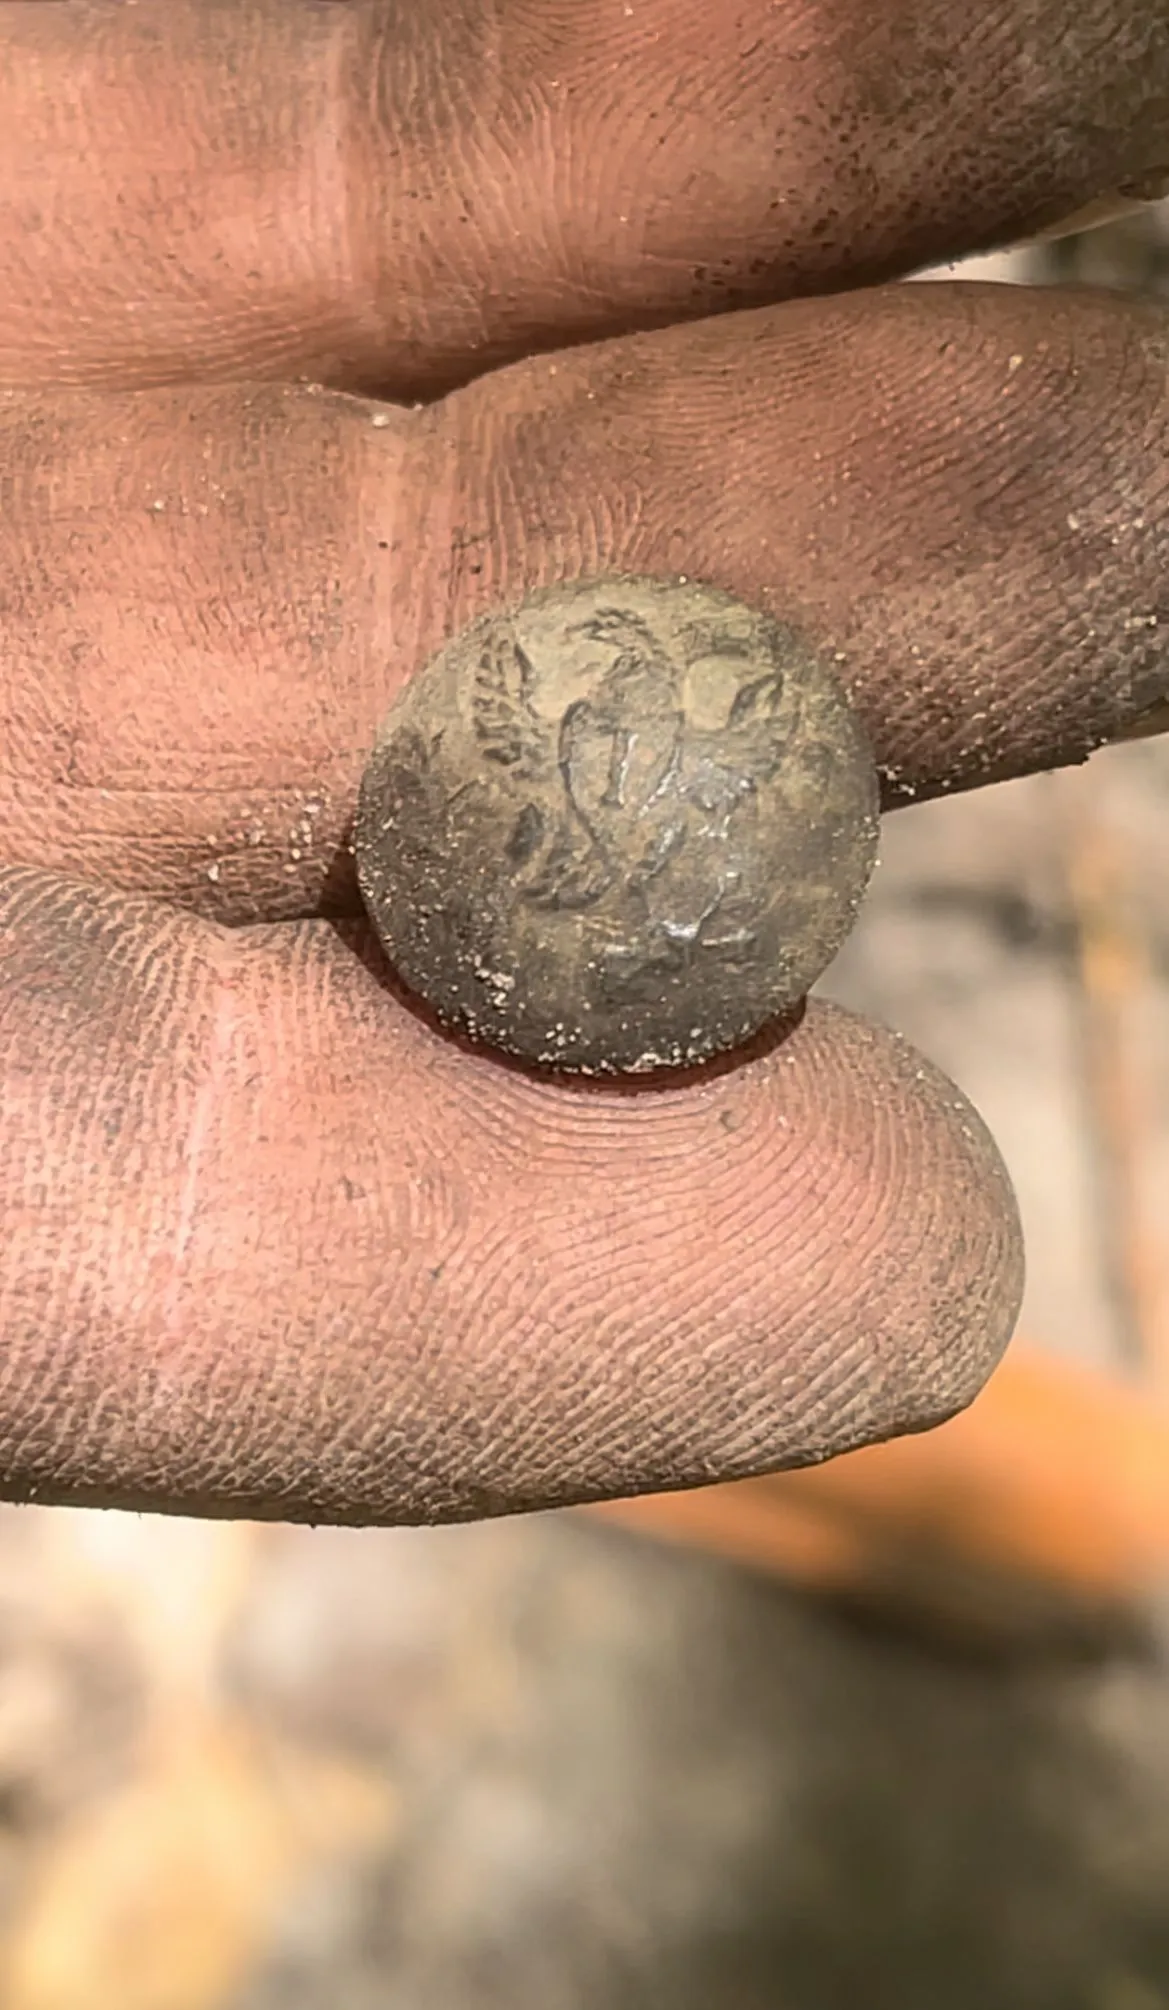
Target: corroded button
(618, 828)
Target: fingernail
(1131, 196)
(1148, 724)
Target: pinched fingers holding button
(270, 1243)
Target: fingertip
(812, 1248)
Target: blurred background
(896, 1734)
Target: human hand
(267, 1244)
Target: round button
(618, 827)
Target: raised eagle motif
(626, 782)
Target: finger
(270, 1246)
(211, 595)
(403, 196)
